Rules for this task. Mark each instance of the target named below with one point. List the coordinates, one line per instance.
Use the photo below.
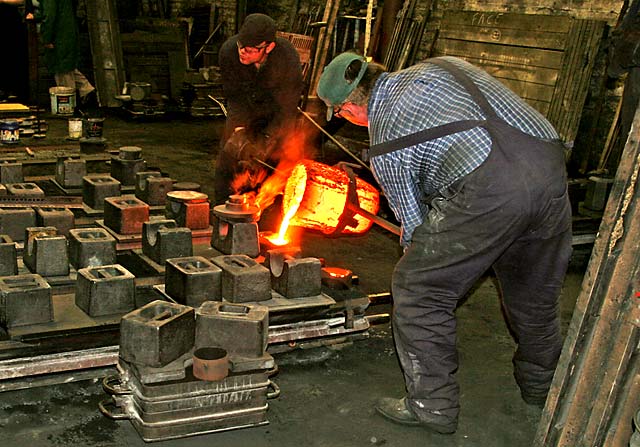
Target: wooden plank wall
(541, 58)
(602, 10)
(106, 50)
(572, 87)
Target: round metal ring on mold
(237, 207)
(210, 364)
(187, 196)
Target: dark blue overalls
(513, 214)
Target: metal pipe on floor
(379, 298)
(378, 319)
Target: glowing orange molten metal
(279, 238)
(315, 197)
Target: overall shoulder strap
(422, 136)
(467, 83)
(444, 129)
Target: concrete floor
(327, 393)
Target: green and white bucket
(63, 100)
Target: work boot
(398, 411)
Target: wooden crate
(303, 44)
(547, 60)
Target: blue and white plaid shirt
(425, 96)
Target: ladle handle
(105, 408)
(377, 220)
(276, 390)
(113, 385)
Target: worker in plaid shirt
(477, 179)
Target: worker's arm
(236, 89)
(287, 89)
(402, 191)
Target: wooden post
(33, 55)
(374, 45)
(367, 29)
(106, 49)
(390, 9)
(595, 391)
(324, 40)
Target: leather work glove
(265, 146)
(241, 145)
(254, 145)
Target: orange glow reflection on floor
(276, 239)
(336, 272)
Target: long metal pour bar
(353, 205)
(376, 219)
(331, 137)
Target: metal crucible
(26, 300)
(157, 334)
(91, 247)
(163, 239)
(193, 280)
(293, 276)
(243, 279)
(188, 208)
(235, 229)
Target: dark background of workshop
(155, 94)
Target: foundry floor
(327, 393)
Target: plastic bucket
(94, 127)
(75, 128)
(63, 100)
(10, 131)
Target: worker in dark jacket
(59, 34)
(477, 179)
(262, 82)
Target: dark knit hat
(257, 28)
